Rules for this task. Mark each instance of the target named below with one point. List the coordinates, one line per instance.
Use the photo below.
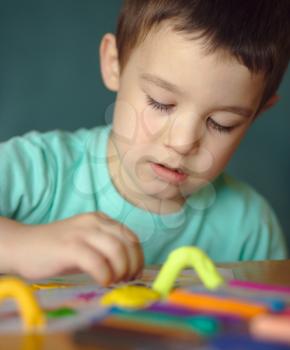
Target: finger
(132, 246)
(91, 261)
(125, 231)
(114, 249)
(134, 252)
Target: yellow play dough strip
(182, 258)
(32, 315)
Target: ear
(109, 62)
(270, 103)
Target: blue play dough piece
(243, 342)
(278, 305)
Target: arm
(7, 230)
(90, 242)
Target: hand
(92, 242)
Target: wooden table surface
(273, 272)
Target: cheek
(221, 153)
(153, 123)
(131, 155)
(136, 124)
(125, 124)
(212, 157)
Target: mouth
(166, 173)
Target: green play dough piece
(62, 312)
(203, 325)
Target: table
(273, 272)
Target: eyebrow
(243, 111)
(161, 83)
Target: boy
(191, 76)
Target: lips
(169, 174)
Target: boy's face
(178, 118)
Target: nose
(184, 135)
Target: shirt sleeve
(265, 240)
(26, 178)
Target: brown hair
(255, 32)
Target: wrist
(10, 239)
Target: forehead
(185, 62)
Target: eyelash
(218, 127)
(159, 106)
(166, 108)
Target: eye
(159, 106)
(218, 127)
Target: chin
(168, 193)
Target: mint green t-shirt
(55, 175)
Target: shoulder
(243, 206)
(238, 196)
(227, 195)
(37, 165)
(247, 220)
(56, 142)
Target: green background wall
(49, 78)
